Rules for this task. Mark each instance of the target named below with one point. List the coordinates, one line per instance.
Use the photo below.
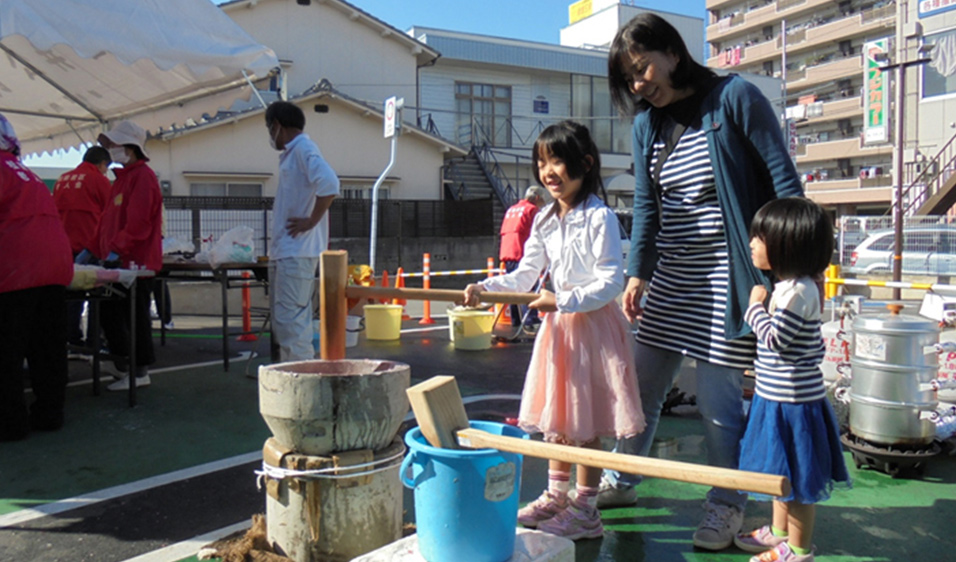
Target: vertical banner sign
(876, 95)
(579, 10)
(390, 117)
(791, 125)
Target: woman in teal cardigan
(708, 152)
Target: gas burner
(898, 461)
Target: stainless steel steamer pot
(893, 355)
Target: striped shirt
(687, 301)
(789, 343)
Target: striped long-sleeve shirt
(686, 307)
(789, 343)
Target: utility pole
(900, 68)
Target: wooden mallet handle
(445, 295)
(769, 484)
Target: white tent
(70, 67)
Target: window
(882, 243)
(591, 104)
(223, 189)
(919, 242)
(362, 191)
(935, 83)
(483, 114)
(846, 48)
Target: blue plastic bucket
(466, 501)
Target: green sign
(876, 95)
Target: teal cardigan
(751, 166)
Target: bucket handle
(406, 469)
(360, 328)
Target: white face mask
(118, 155)
(272, 139)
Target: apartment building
(816, 47)
(842, 109)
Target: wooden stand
(332, 304)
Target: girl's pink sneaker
(545, 507)
(758, 540)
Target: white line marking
(243, 355)
(32, 513)
(190, 547)
(429, 329)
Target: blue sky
(530, 20)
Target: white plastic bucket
(353, 325)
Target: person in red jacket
(515, 230)
(34, 272)
(81, 196)
(131, 237)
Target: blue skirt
(800, 441)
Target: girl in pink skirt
(581, 383)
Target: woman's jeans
(719, 400)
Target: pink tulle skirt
(582, 381)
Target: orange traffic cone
(384, 284)
(504, 318)
(400, 284)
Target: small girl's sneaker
(576, 522)
(545, 507)
(782, 553)
(758, 540)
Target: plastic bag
(234, 246)
(174, 246)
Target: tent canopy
(70, 67)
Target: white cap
(127, 132)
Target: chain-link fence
(205, 219)
(867, 245)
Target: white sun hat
(127, 132)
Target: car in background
(927, 250)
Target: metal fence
(205, 219)
(866, 245)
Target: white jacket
(583, 251)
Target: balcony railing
(610, 134)
(761, 16)
(837, 149)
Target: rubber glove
(112, 261)
(83, 257)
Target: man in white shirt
(300, 232)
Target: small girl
(581, 382)
(791, 428)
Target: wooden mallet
(441, 417)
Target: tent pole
(254, 89)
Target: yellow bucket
(471, 329)
(383, 321)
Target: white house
(339, 64)
(464, 92)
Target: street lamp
(898, 165)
